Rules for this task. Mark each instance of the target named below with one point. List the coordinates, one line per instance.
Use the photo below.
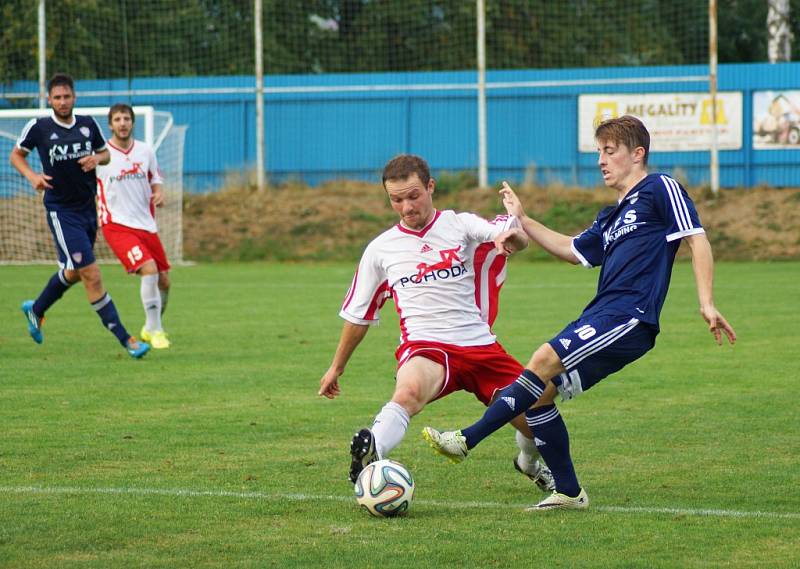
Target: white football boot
(556, 501)
(451, 444)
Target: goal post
(24, 236)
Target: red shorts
(134, 247)
(481, 370)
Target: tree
(145, 38)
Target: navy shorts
(74, 233)
(595, 346)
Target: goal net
(24, 235)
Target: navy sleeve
(98, 140)
(30, 136)
(588, 246)
(676, 208)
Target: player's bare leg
(419, 380)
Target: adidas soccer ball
(385, 488)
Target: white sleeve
(483, 230)
(368, 291)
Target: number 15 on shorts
(135, 254)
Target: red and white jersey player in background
(444, 274)
(128, 191)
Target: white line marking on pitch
(178, 492)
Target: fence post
(483, 168)
(260, 165)
(42, 55)
(712, 84)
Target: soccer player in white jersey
(444, 275)
(634, 242)
(129, 190)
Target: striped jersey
(60, 146)
(123, 187)
(444, 279)
(635, 243)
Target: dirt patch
(335, 221)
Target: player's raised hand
(717, 324)
(511, 201)
(329, 384)
(40, 182)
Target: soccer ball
(385, 488)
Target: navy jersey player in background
(70, 147)
(634, 243)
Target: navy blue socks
(108, 314)
(512, 401)
(53, 290)
(552, 442)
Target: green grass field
(218, 452)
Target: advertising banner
(776, 120)
(676, 121)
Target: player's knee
(163, 281)
(148, 268)
(91, 277)
(72, 275)
(410, 398)
(545, 363)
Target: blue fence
(315, 136)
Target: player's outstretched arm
(350, 338)
(703, 266)
(555, 243)
(39, 181)
(511, 201)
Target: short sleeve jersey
(635, 244)
(124, 187)
(60, 147)
(444, 279)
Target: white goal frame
(24, 236)
(145, 114)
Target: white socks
(528, 454)
(389, 428)
(151, 300)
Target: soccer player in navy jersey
(70, 147)
(634, 242)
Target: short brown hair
(403, 166)
(60, 80)
(121, 108)
(627, 130)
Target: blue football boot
(137, 349)
(34, 322)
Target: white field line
(277, 496)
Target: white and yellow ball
(385, 488)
